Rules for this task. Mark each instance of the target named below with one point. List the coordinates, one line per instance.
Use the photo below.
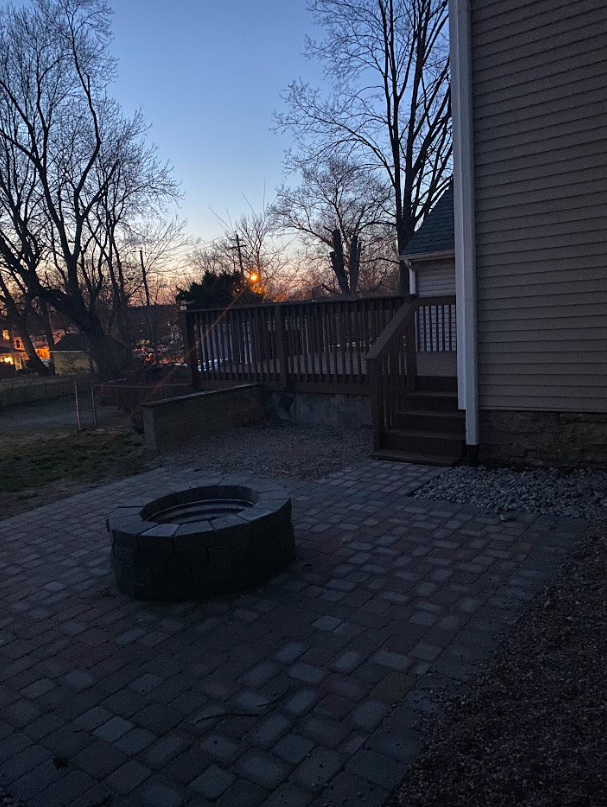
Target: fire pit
(211, 537)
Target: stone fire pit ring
(212, 536)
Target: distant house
(12, 354)
(71, 356)
(529, 85)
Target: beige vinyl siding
(540, 143)
(435, 278)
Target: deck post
(190, 345)
(281, 345)
(375, 379)
(411, 354)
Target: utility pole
(239, 248)
(151, 330)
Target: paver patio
(302, 692)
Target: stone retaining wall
(565, 439)
(174, 421)
(326, 409)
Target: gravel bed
(276, 449)
(530, 728)
(8, 801)
(573, 494)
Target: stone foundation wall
(562, 439)
(175, 420)
(323, 409)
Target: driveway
(43, 415)
(302, 692)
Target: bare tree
(251, 246)
(389, 103)
(263, 254)
(73, 165)
(341, 212)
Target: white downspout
(412, 277)
(465, 236)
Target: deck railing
(312, 345)
(422, 324)
(318, 345)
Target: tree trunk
(18, 320)
(34, 359)
(355, 250)
(48, 332)
(402, 239)
(103, 351)
(337, 262)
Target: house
(71, 356)
(529, 82)
(12, 352)
(12, 349)
(501, 353)
(9, 357)
(430, 253)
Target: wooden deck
(313, 346)
(336, 365)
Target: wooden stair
(430, 430)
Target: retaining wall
(351, 411)
(174, 421)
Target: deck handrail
(392, 360)
(312, 345)
(192, 308)
(391, 330)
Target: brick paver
(302, 692)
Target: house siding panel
(540, 132)
(435, 278)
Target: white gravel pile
(573, 494)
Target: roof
(436, 233)
(71, 342)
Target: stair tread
(416, 457)
(449, 435)
(458, 413)
(422, 393)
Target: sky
(208, 74)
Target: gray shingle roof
(436, 233)
(71, 342)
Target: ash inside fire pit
(204, 539)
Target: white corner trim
(465, 235)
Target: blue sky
(208, 75)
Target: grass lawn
(42, 458)
(28, 462)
